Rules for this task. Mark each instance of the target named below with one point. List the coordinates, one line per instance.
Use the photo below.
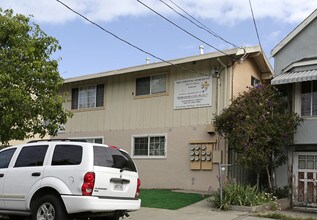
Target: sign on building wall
(192, 93)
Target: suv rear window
(31, 156)
(67, 155)
(112, 157)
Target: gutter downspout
(226, 83)
(225, 105)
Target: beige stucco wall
(242, 76)
(36, 137)
(124, 115)
(174, 170)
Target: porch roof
(295, 76)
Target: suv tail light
(137, 193)
(88, 185)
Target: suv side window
(31, 156)
(112, 157)
(5, 157)
(67, 155)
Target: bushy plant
(258, 127)
(280, 192)
(234, 194)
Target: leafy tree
(258, 127)
(29, 80)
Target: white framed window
(149, 146)
(88, 97)
(255, 82)
(97, 140)
(309, 98)
(150, 85)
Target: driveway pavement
(198, 211)
(203, 211)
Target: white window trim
(148, 156)
(94, 137)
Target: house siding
(124, 116)
(300, 47)
(124, 111)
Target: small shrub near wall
(234, 194)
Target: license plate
(118, 187)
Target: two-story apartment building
(161, 113)
(296, 75)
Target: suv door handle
(36, 174)
(1, 175)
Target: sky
(86, 49)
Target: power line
(256, 28)
(187, 32)
(200, 24)
(125, 41)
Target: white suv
(65, 179)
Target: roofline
(225, 53)
(299, 64)
(293, 33)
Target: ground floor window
(97, 140)
(149, 145)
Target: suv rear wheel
(49, 207)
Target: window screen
(143, 86)
(158, 84)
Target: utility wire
(187, 32)
(197, 22)
(125, 41)
(256, 28)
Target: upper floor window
(88, 97)
(149, 146)
(254, 81)
(309, 98)
(151, 85)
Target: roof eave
(225, 53)
(293, 33)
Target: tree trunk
(258, 180)
(273, 178)
(268, 176)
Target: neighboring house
(296, 75)
(162, 114)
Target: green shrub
(234, 194)
(281, 192)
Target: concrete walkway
(199, 211)
(203, 211)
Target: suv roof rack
(51, 140)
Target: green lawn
(167, 199)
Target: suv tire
(49, 207)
